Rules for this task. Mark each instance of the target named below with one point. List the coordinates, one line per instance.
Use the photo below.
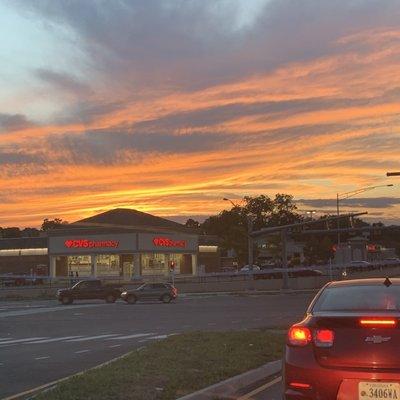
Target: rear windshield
(359, 298)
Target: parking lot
(42, 341)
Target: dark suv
(89, 289)
(164, 292)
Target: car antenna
(387, 282)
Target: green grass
(173, 367)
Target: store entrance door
(186, 267)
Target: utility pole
(250, 242)
(338, 220)
(285, 276)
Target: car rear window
(359, 298)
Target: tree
(49, 224)
(30, 232)
(12, 232)
(232, 226)
(191, 223)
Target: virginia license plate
(378, 391)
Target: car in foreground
(347, 346)
(164, 292)
(89, 289)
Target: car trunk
(359, 346)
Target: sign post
(172, 271)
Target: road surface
(42, 341)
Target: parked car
(346, 347)
(89, 289)
(164, 292)
(360, 265)
(391, 261)
(300, 272)
(247, 268)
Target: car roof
(364, 282)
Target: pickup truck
(89, 290)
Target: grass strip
(173, 367)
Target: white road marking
(22, 340)
(248, 396)
(5, 338)
(17, 313)
(84, 339)
(42, 358)
(136, 335)
(1, 364)
(157, 337)
(114, 345)
(82, 351)
(53, 339)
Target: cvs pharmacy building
(122, 243)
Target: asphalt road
(42, 341)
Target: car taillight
(378, 322)
(324, 338)
(299, 336)
(300, 385)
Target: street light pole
(346, 195)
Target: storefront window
(158, 263)
(154, 264)
(108, 264)
(80, 265)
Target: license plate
(378, 391)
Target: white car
(247, 268)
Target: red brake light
(299, 336)
(378, 322)
(324, 338)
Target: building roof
(129, 219)
(23, 243)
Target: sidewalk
(230, 388)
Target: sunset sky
(169, 106)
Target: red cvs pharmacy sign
(167, 242)
(90, 244)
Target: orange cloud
(307, 128)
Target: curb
(229, 387)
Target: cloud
(14, 122)
(367, 202)
(196, 44)
(63, 81)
